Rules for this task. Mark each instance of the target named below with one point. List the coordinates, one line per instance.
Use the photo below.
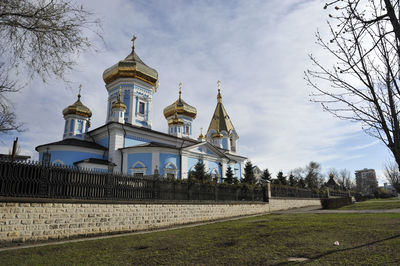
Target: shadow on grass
(346, 249)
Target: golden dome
(118, 104)
(131, 67)
(77, 109)
(180, 107)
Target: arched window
(138, 169)
(170, 171)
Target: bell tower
(135, 83)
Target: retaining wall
(34, 221)
(277, 204)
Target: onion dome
(78, 109)
(220, 120)
(180, 107)
(118, 104)
(131, 67)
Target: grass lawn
(374, 204)
(366, 239)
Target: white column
(184, 162)
(155, 161)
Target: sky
(259, 51)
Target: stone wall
(277, 204)
(33, 221)
(42, 221)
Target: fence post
(327, 192)
(216, 192)
(268, 191)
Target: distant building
(332, 183)
(366, 182)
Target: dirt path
(317, 209)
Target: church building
(127, 144)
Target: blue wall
(166, 158)
(191, 162)
(133, 141)
(69, 157)
(145, 158)
(225, 143)
(103, 142)
(239, 171)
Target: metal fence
(295, 192)
(21, 179)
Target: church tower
(136, 83)
(180, 116)
(77, 119)
(221, 131)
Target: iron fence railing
(32, 179)
(295, 192)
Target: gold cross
(133, 41)
(180, 89)
(80, 88)
(219, 85)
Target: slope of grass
(374, 204)
(367, 239)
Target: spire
(180, 90)
(133, 43)
(220, 120)
(79, 93)
(219, 97)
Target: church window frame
(138, 171)
(141, 108)
(171, 171)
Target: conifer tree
(199, 172)
(281, 178)
(266, 176)
(249, 177)
(292, 180)
(229, 175)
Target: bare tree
(313, 177)
(344, 179)
(8, 121)
(363, 86)
(39, 38)
(392, 174)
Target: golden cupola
(180, 107)
(77, 108)
(180, 117)
(77, 119)
(131, 67)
